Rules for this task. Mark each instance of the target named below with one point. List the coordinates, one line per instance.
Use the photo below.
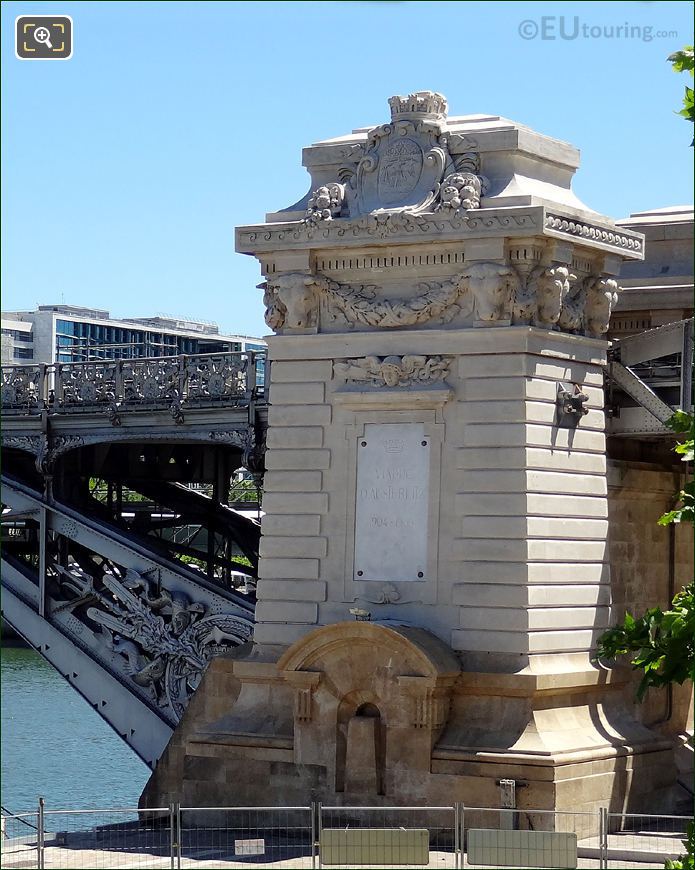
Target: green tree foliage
(243, 490)
(98, 489)
(662, 643)
(682, 61)
(683, 424)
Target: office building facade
(72, 334)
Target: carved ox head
(297, 293)
(491, 287)
(601, 296)
(553, 287)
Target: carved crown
(421, 104)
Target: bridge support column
(434, 550)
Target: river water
(54, 744)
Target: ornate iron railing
(196, 380)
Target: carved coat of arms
(404, 160)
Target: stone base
(368, 714)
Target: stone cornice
(399, 227)
(404, 227)
(608, 237)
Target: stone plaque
(391, 502)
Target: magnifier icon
(43, 36)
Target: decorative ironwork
(23, 387)
(160, 640)
(151, 380)
(216, 377)
(115, 386)
(86, 385)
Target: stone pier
(434, 570)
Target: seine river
(55, 745)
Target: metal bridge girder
(141, 628)
(653, 344)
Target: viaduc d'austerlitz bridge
(123, 562)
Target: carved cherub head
(461, 190)
(470, 191)
(391, 370)
(321, 201)
(450, 192)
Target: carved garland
(548, 296)
(360, 305)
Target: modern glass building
(71, 334)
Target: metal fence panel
(525, 837)
(348, 836)
(643, 840)
(19, 845)
(237, 836)
(111, 838)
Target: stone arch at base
(370, 699)
(426, 655)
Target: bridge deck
(49, 410)
(113, 387)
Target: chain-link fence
(316, 836)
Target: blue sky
(126, 168)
